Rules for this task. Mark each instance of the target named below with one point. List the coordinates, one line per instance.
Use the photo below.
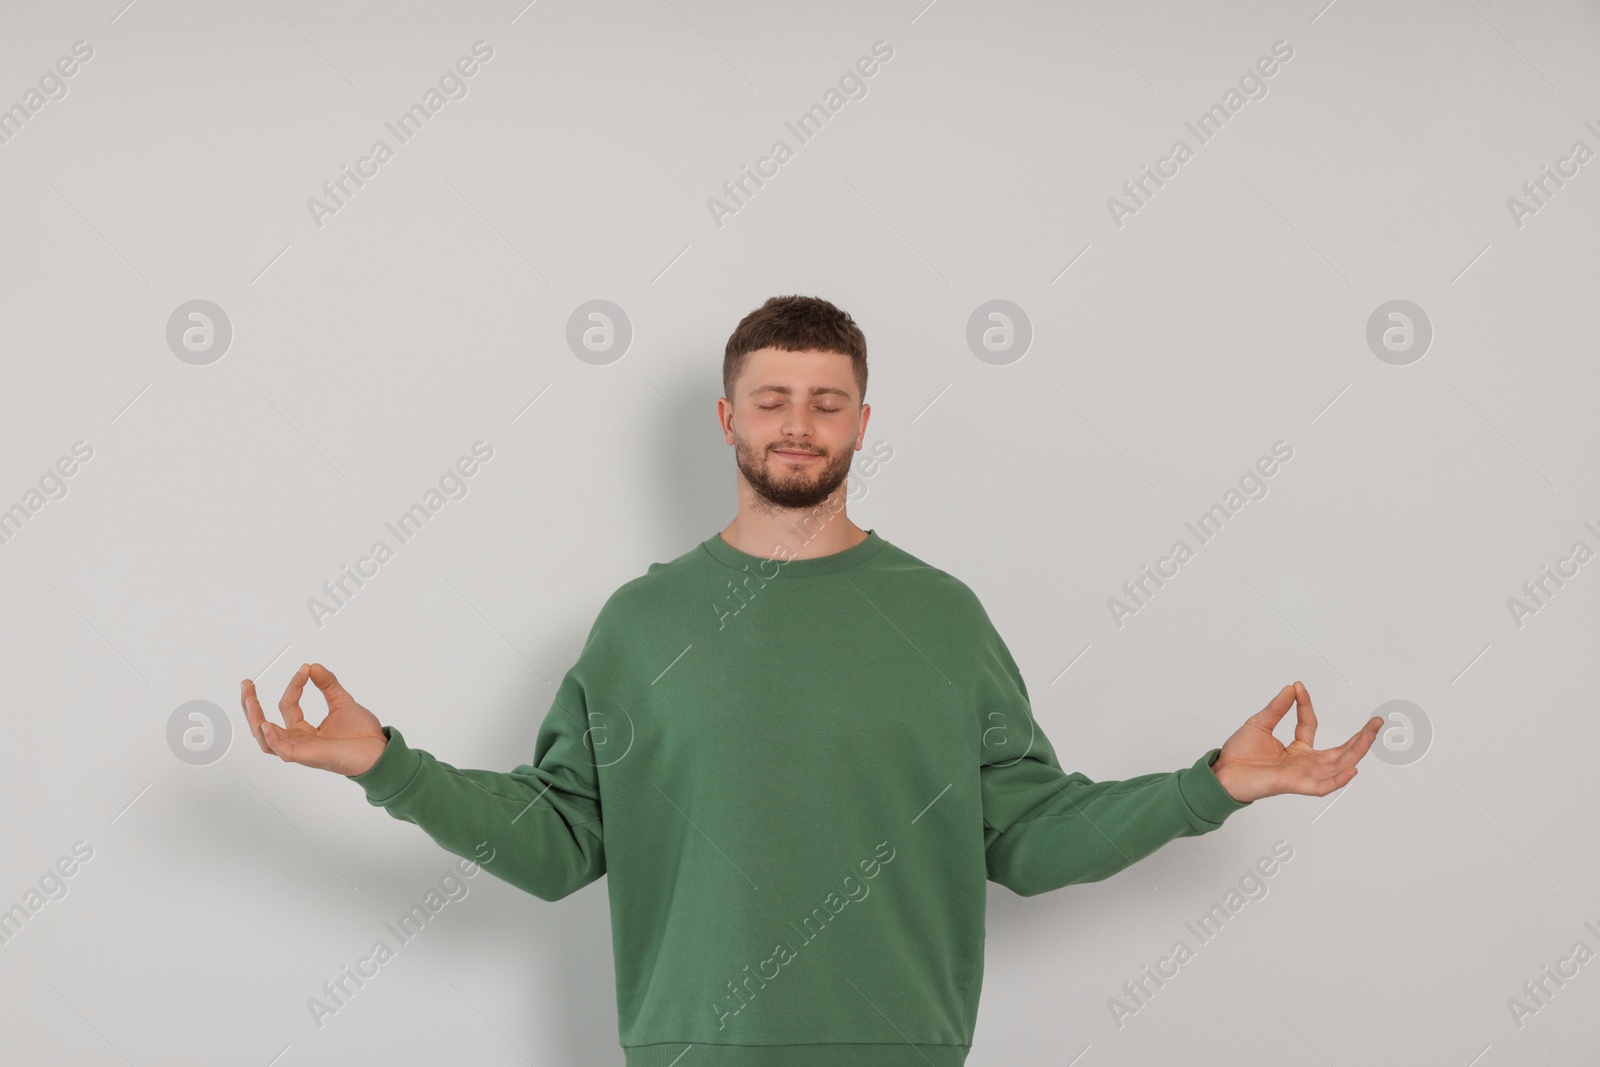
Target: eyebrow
(815, 391)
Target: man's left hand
(1253, 764)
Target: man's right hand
(349, 741)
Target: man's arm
(1045, 828)
(537, 826)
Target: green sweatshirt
(798, 774)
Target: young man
(799, 752)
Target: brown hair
(795, 324)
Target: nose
(798, 423)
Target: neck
(792, 533)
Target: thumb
(1269, 717)
(332, 691)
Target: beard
(784, 485)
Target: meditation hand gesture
(349, 741)
(1253, 764)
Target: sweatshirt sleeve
(1045, 828)
(536, 826)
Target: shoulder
(945, 590)
(662, 585)
(640, 609)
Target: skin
(792, 508)
(1254, 764)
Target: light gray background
(1167, 356)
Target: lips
(787, 454)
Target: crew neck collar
(727, 555)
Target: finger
(1305, 725)
(280, 742)
(1359, 745)
(1338, 781)
(1321, 781)
(1362, 739)
(297, 746)
(1333, 768)
(268, 742)
(252, 712)
(332, 691)
(1352, 750)
(290, 704)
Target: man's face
(795, 423)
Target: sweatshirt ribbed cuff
(393, 771)
(1205, 795)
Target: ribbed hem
(394, 770)
(841, 1055)
(1205, 796)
